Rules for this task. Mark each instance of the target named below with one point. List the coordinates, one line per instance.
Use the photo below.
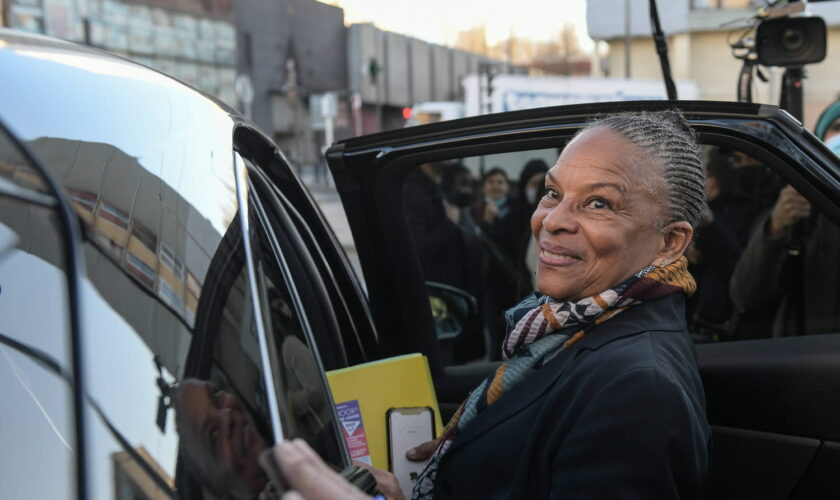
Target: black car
(170, 293)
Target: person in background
(721, 236)
(599, 395)
(438, 240)
(790, 264)
(458, 188)
(531, 189)
(499, 232)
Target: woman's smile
(556, 256)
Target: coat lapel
(528, 390)
(667, 313)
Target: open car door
(438, 284)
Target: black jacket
(620, 414)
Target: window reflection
(221, 410)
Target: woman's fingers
(386, 482)
(422, 451)
(790, 207)
(309, 476)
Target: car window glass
(230, 390)
(303, 396)
(469, 219)
(36, 413)
(764, 258)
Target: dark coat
(620, 414)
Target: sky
(439, 21)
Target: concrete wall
(421, 70)
(605, 18)
(441, 82)
(194, 42)
(412, 71)
(396, 70)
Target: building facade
(698, 32)
(192, 41)
(390, 72)
(292, 51)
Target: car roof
(57, 89)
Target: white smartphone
(408, 427)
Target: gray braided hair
(666, 137)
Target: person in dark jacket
(721, 235)
(790, 263)
(499, 231)
(531, 189)
(599, 395)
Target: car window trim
(304, 228)
(242, 196)
(75, 273)
(300, 310)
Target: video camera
(789, 41)
(780, 40)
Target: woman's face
(597, 224)
(495, 186)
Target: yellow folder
(401, 381)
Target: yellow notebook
(364, 393)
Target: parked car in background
(170, 294)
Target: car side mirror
(453, 309)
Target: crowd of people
(474, 235)
(765, 259)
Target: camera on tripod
(780, 40)
(790, 41)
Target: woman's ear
(675, 240)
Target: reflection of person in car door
(599, 395)
(791, 260)
(219, 442)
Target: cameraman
(791, 259)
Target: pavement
(329, 202)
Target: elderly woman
(599, 395)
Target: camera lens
(793, 39)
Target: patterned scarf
(541, 328)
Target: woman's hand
(490, 212)
(311, 479)
(386, 482)
(790, 207)
(423, 451)
(309, 476)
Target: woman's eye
(551, 193)
(598, 203)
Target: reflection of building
(128, 227)
(699, 49)
(190, 40)
(131, 482)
